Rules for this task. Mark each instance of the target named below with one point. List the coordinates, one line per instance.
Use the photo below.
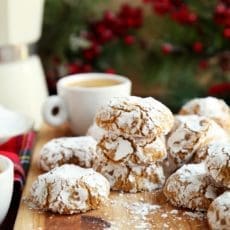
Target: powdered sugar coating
(219, 212)
(76, 150)
(190, 187)
(96, 132)
(202, 152)
(190, 133)
(121, 148)
(129, 176)
(136, 117)
(218, 163)
(211, 107)
(68, 189)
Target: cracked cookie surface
(189, 134)
(211, 107)
(190, 187)
(218, 163)
(68, 189)
(129, 176)
(219, 212)
(120, 148)
(68, 150)
(136, 117)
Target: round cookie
(120, 149)
(68, 189)
(129, 176)
(219, 212)
(201, 154)
(218, 163)
(211, 107)
(136, 117)
(190, 133)
(190, 187)
(68, 150)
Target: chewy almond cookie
(218, 163)
(202, 152)
(190, 187)
(68, 189)
(219, 212)
(68, 150)
(119, 148)
(211, 107)
(189, 134)
(129, 176)
(136, 117)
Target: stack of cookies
(131, 144)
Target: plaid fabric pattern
(18, 149)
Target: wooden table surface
(122, 211)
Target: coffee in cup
(88, 83)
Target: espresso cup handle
(54, 111)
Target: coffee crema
(90, 83)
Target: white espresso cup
(6, 185)
(79, 97)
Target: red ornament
(167, 48)
(129, 39)
(197, 47)
(226, 33)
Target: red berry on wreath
(167, 48)
(226, 33)
(162, 7)
(109, 16)
(106, 36)
(110, 70)
(192, 18)
(86, 68)
(220, 9)
(197, 47)
(129, 39)
(203, 64)
(73, 68)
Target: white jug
(22, 81)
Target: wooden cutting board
(122, 211)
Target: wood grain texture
(122, 211)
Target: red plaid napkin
(18, 149)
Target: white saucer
(12, 124)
